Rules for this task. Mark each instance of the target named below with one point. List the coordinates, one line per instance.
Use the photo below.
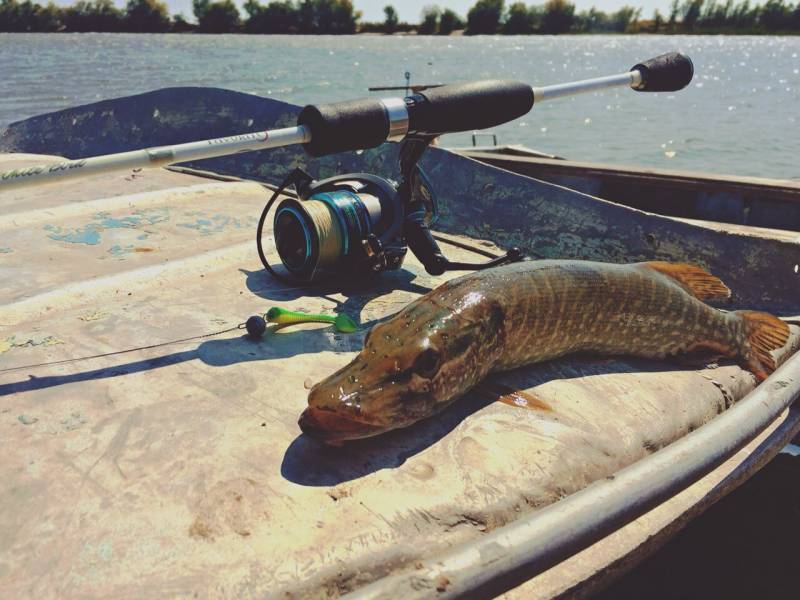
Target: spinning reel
(359, 224)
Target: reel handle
(421, 242)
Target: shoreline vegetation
(340, 17)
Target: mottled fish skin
(562, 307)
(441, 345)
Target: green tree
(691, 13)
(715, 16)
(589, 20)
(776, 16)
(674, 9)
(625, 17)
(429, 23)
(558, 16)
(95, 15)
(485, 17)
(28, 16)
(180, 24)
(520, 20)
(279, 16)
(146, 16)
(47, 18)
(220, 16)
(449, 22)
(658, 21)
(340, 16)
(391, 21)
(744, 16)
(327, 16)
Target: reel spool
(358, 224)
(349, 225)
(336, 223)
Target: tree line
(685, 16)
(340, 17)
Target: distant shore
(460, 33)
(338, 17)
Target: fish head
(411, 367)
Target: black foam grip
(344, 126)
(466, 106)
(666, 73)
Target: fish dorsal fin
(698, 282)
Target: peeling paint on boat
(95, 315)
(217, 223)
(90, 234)
(28, 341)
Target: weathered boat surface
(177, 466)
(548, 221)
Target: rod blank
(550, 92)
(365, 123)
(153, 157)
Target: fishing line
(318, 213)
(328, 231)
(466, 246)
(129, 350)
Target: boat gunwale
(785, 189)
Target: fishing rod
(365, 123)
(358, 223)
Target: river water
(740, 115)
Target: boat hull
(151, 446)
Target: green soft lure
(280, 316)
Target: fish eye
(427, 363)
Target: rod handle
(665, 73)
(343, 126)
(468, 106)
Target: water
(740, 115)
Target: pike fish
(441, 345)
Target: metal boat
(152, 449)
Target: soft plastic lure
(257, 325)
(281, 316)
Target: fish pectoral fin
(699, 283)
(498, 392)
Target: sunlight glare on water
(739, 116)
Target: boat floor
(152, 449)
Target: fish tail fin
(765, 333)
(698, 282)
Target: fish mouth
(330, 427)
